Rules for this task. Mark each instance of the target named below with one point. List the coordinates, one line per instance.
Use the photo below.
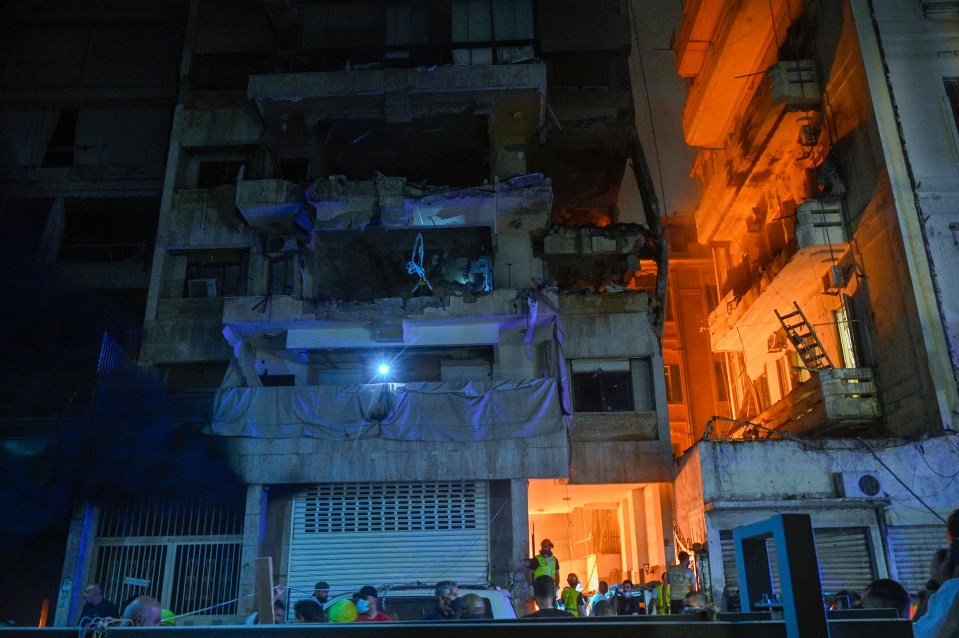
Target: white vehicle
(415, 602)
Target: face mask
(628, 594)
(362, 605)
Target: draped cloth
(430, 411)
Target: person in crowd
(544, 563)
(573, 600)
(601, 594)
(661, 595)
(627, 604)
(941, 619)
(544, 592)
(343, 611)
(279, 612)
(321, 594)
(95, 605)
(847, 599)
(695, 603)
(367, 605)
(472, 607)
(682, 580)
(446, 594)
(931, 586)
(886, 593)
(602, 608)
(307, 611)
(144, 611)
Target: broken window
(612, 385)
(216, 273)
(60, 149)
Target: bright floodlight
(383, 369)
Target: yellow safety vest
(570, 598)
(662, 599)
(546, 567)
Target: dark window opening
(195, 376)
(218, 173)
(114, 229)
(603, 391)
(722, 394)
(60, 149)
(277, 380)
(21, 224)
(282, 273)
(295, 169)
(216, 273)
(674, 384)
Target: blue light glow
(383, 369)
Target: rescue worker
(573, 600)
(544, 563)
(662, 605)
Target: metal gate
(912, 547)
(184, 553)
(355, 534)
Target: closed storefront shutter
(912, 547)
(845, 561)
(355, 534)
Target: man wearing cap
(321, 594)
(544, 563)
(367, 605)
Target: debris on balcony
(595, 258)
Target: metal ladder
(804, 339)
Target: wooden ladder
(804, 339)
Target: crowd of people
(934, 610)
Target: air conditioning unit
(201, 288)
(859, 485)
(833, 281)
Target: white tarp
(431, 411)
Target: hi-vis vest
(570, 598)
(546, 566)
(662, 599)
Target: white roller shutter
(355, 534)
(845, 561)
(912, 547)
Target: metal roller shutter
(912, 547)
(355, 534)
(845, 561)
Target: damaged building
(439, 280)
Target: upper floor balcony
(803, 267)
(835, 401)
(764, 159)
(400, 94)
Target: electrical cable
(901, 482)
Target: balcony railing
(839, 398)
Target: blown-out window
(612, 385)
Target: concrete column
(254, 535)
(625, 536)
(656, 528)
(76, 564)
(509, 520)
(636, 543)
